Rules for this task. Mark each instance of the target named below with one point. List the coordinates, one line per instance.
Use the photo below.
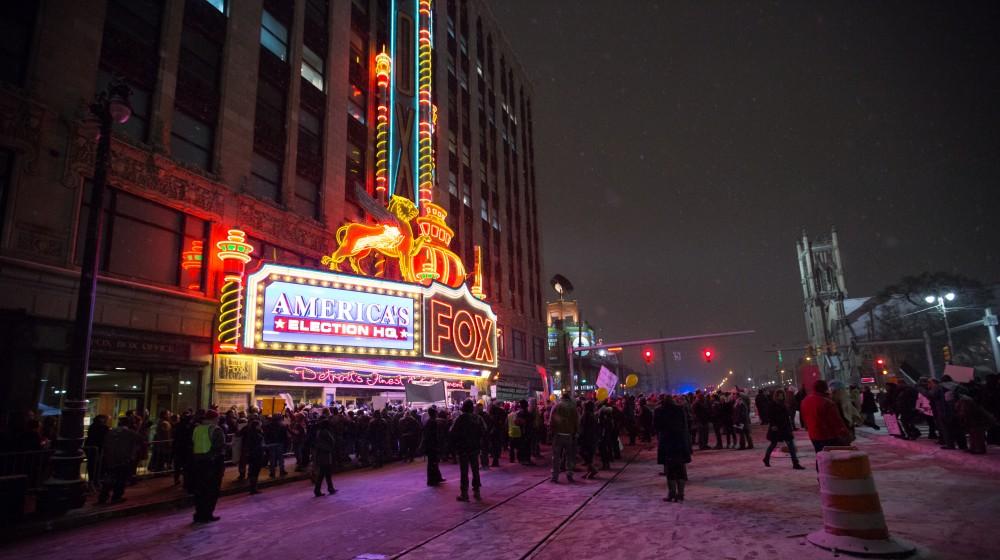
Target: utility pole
(990, 320)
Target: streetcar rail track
(537, 546)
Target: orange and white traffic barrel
(853, 522)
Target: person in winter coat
(673, 449)
(488, 428)
(431, 446)
(237, 448)
(763, 403)
(701, 409)
(728, 410)
(208, 463)
(498, 435)
(850, 415)
(976, 420)
(297, 434)
(253, 452)
(409, 436)
(645, 420)
(182, 448)
(822, 418)
(869, 408)
(608, 436)
(120, 448)
(564, 424)
(525, 421)
(466, 437)
(324, 449)
(715, 410)
(589, 434)
(276, 436)
(741, 420)
(93, 446)
(780, 429)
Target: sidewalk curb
(49, 525)
(985, 463)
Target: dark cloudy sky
(681, 147)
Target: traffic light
(946, 352)
(647, 355)
(708, 355)
(880, 366)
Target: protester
(564, 424)
(253, 452)
(822, 418)
(120, 449)
(430, 446)
(466, 437)
(780, 429)
(324, 446)
(589, 434)
(673, 446)
(869, 408)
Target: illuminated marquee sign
(310, 311)
(459, 327)
(357, 373)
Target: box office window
(146, 241)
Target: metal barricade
(32, 464)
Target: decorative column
(234, 252)
(425, 172)
(383, 69)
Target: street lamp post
(64, 488)
(940, 299)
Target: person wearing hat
(822, 418)
(208, 465)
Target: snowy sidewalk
(929, 449)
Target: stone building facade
(252, 114)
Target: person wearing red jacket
(822, 418)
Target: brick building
(253, 114)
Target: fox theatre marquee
(323, 336)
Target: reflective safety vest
(513, 430)
(202, 439)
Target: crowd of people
(196, 445)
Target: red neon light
(483, 326)
(438, 313)
(464, 322)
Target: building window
(274, 36)
(538, 350)
(146, 241)
(130, 48)
(198, 78)
(17, 23)
(219, 5)
(268, 252)
(312, 68)
(191, 141)
(517, 341)
(265, 178)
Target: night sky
(681, 148)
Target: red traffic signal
(880, 362)
(647, 355)
(708, 355)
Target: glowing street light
(941, 299)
